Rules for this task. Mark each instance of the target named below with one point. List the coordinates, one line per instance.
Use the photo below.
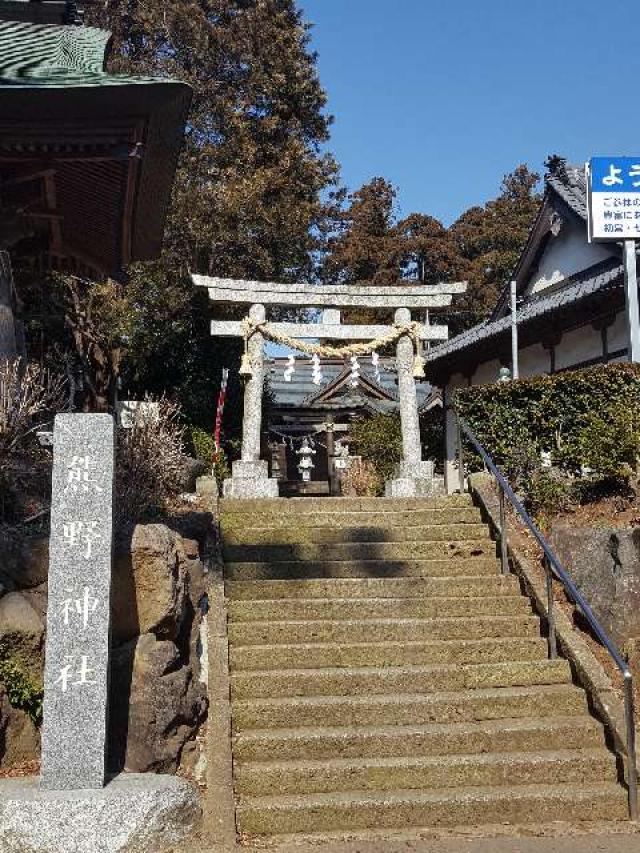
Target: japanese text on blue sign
(614, 198)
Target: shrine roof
(109, 143)
(569, 295)
(301, 391)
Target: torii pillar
(413, 476)
(250, 474)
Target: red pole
(222, 396)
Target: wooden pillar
(8, 344)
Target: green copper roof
(110, 142)
(36, 56)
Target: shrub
(432, 436)
(361, 479)
(379, 441)
(221, 469)
(609, 444)
(204, 448)
(581, 417)
(29, 397)
(547, 494)
(149, 463)
(203, 445)
(21, 691)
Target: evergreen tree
(489, 240)
(365, 247)
(427, 250)
(254, 194)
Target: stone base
(408, 487)
(415, 470)
(411, 480)
(250, 480)
(207, 486)
(134, 813)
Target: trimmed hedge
(587, 417)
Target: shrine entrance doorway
(250, 474)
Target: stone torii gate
(250, 476)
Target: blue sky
(444, 98)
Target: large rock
(132, 814)
(157, 706)
(22, 634)
(24, 563)
(19, 736)
(37, 597)
(605, 564)
(190, 471)
(149, 591)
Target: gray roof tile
(301, 388)
(571, 185)
(574, 289)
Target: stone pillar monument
(74, 806)
(250, 474)
(413, 477)
(77, 652)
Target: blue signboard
(614, 198)
(615, 174)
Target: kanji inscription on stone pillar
(78, 611)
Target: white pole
(631, 296)
(515, 373)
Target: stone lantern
(305, 465)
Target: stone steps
(381, 630)
(347, 550)
(372, 681)
(352, 811)
(298, 569)
(406, 773)
(383, 675)
(357, 519)
(410, 709)
(256, 535)
(466, 738)
(376, 608)
(368, 587)
(405, 653)
(297, 507)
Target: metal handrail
(552, 564)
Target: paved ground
(616, 838)
(579, 844)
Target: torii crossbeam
(250, 478)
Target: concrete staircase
(385, 676)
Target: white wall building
(571, 311)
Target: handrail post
(460, 455)
(551, 618)
(632, 762)
(504, 556)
